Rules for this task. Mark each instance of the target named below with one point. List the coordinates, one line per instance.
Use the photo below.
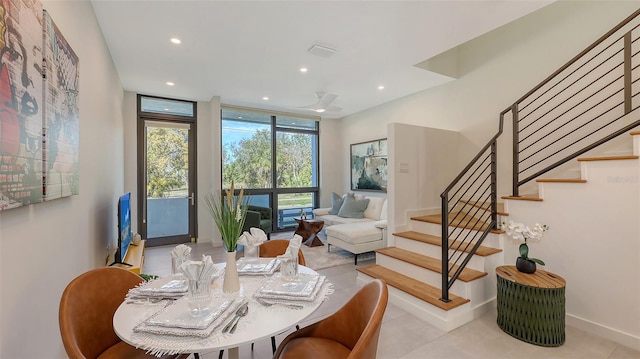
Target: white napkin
(199, 270)
(294, 246)
(181, 252)
(253, 239)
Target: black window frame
(274, 191)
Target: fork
(269, 304)
(240, 312)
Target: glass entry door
(168, 209)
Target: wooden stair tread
(482, 251)
(429, 263)
(420, 290)
(457, 219)
(562, 180)
(608, 158)
(485, 206)
(523, 198)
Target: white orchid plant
(229, 213)
(520, 232)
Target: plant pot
(525, 265)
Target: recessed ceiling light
(320, 110)
(169, 83)
(176, 41)
(381, 87)
(265, 98)
(303, 69)
(239, 117)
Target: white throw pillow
(374, 207)
(383, 211)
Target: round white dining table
(261, 322)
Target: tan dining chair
(276, 247)
(86, 312)
(351, 332)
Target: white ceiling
(244, 50)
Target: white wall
(130, 114)
(495, 70)
(44, 246)
(422, 162)
(332, 171)
(209, 166)
(594, 248)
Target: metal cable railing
(469, 212)
(581, 106)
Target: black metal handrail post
(516, 151)
(445, 247)
(494, 182)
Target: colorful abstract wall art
(61, 127)
(20, 103)
(39, 113)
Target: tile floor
(404, 336)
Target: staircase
(413, 270)
(443, 267)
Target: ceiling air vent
(321, 50)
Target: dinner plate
(257, 266)
(172, 286)
(303, 286)
(177, 315)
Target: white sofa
(357, 235)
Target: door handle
(193, 199)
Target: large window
(274, 158)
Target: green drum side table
(531, 307)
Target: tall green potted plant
(229, 213)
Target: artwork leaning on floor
(39, 112)
(369, 166)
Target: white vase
(231, 282)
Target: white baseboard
(600, 330)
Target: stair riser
(475, 212)
(460, 288)
(493, 239)
(443, 320)
(476, 262)
(478, 291)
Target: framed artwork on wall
(369, 166)
(21, 104)
(39, 112)
(61, 115)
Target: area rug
(318, 258)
